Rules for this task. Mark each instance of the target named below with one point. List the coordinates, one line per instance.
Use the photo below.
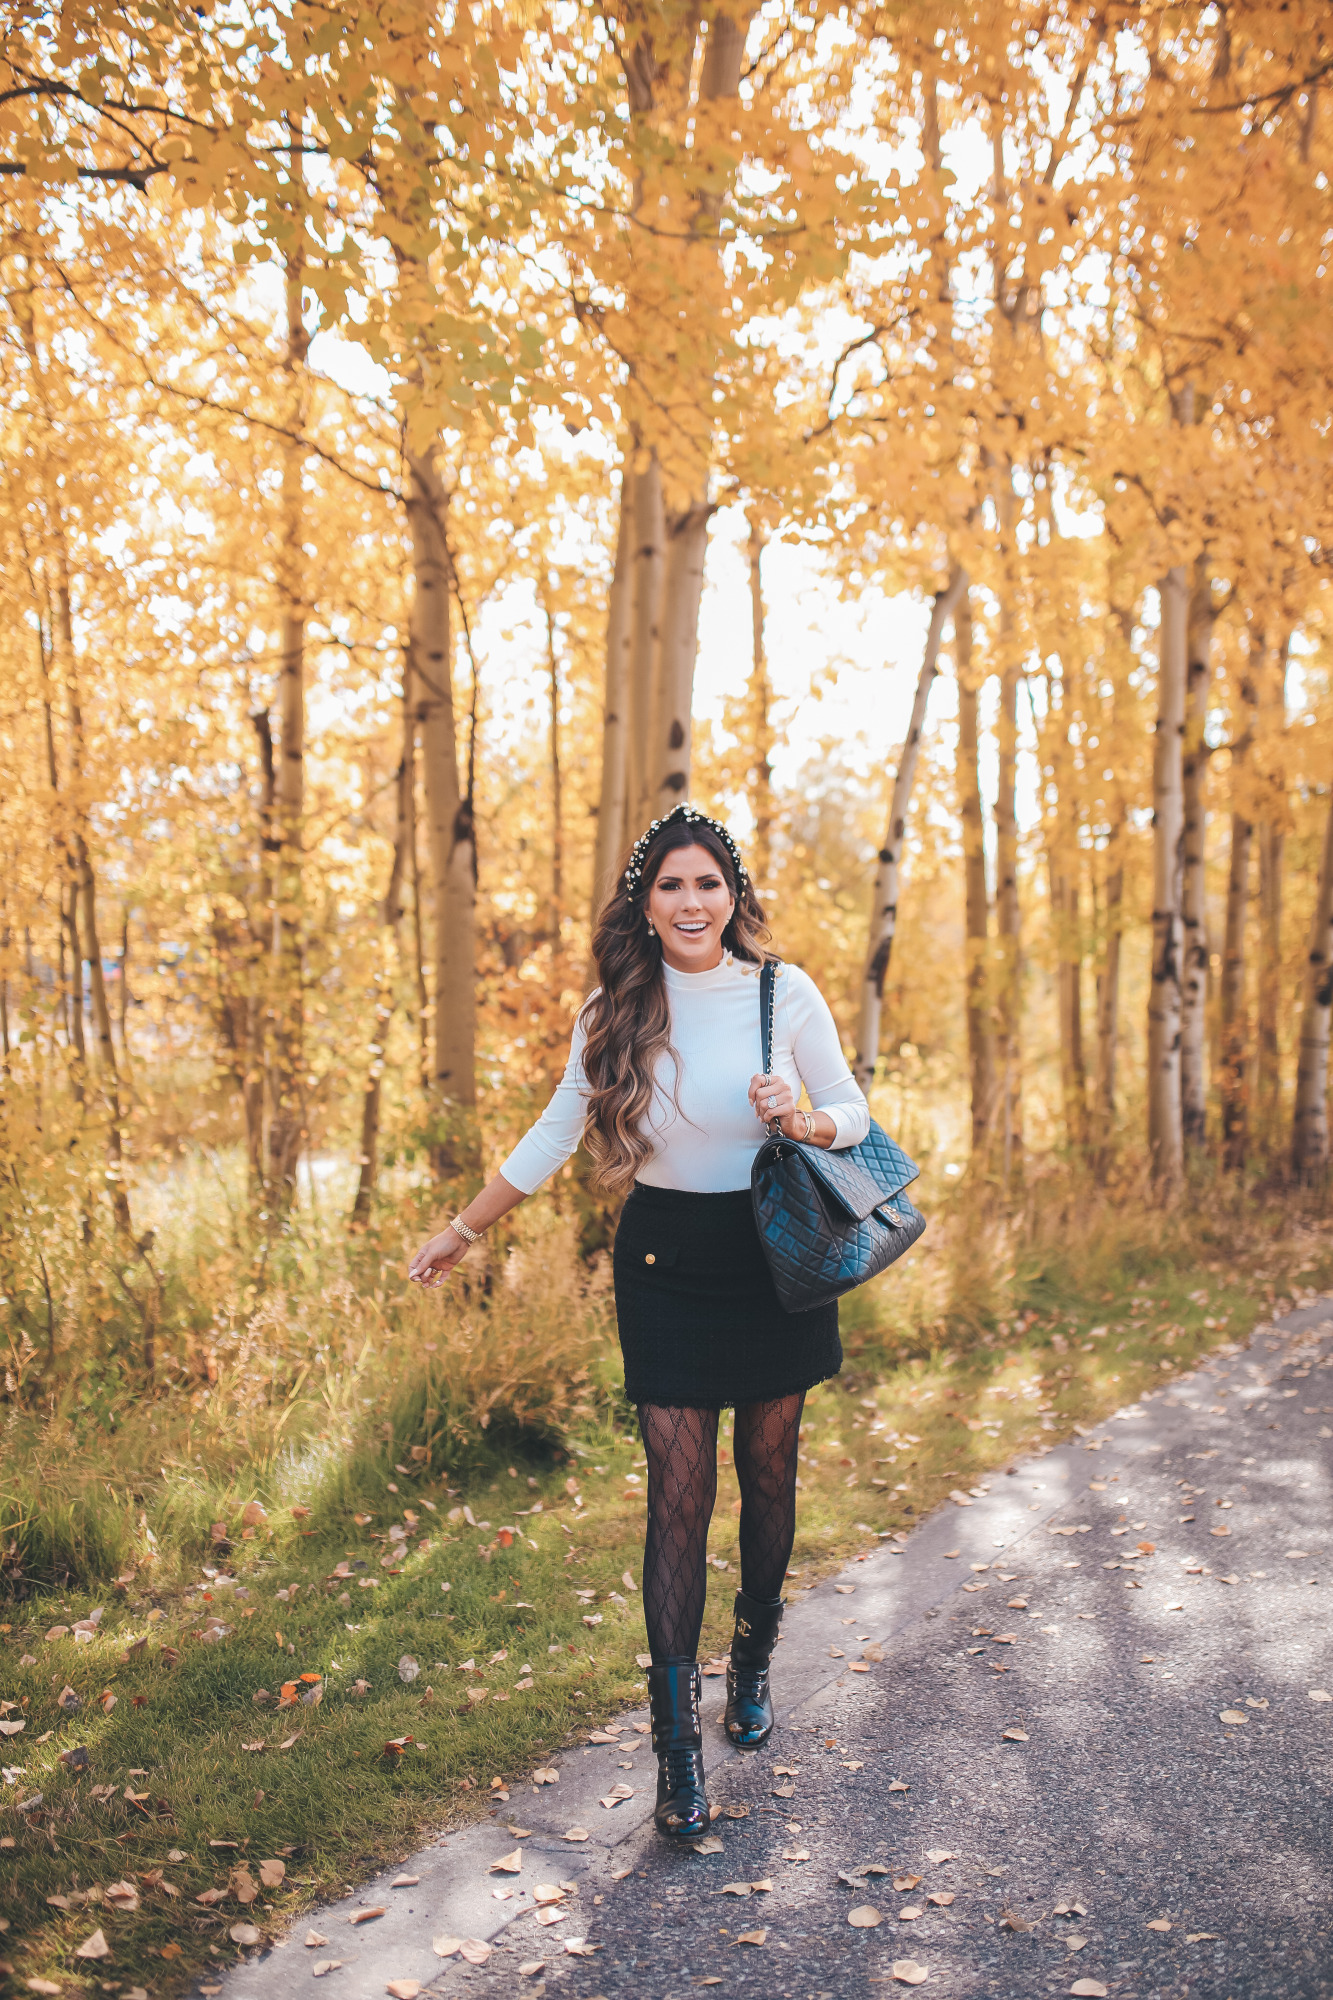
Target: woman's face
(689, 906)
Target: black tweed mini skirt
(700, 1323)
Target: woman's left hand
(772, 1097)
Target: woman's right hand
(436, 1259)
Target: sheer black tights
(681, 1448)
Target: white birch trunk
(760, 785)
(1235, 1020)
(1193, 902)
(612, 801)
(1309, 1126)
(389, 960)
(649, 575)
(888, 867)
(286, 1076)
(1108, 992)
(976, 898)
(450, 841)
(1165, 1138)
(669, 753)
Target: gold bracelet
(466, 1231)
(809, 1131)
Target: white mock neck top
(701, 1124)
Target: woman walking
(661, 1084)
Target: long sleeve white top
(700, 1122)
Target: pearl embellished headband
(686, 815)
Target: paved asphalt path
(1037, 1734)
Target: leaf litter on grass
(393, 1815)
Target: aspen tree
(1272, 852)
(1234, 1052)
(1193, 896)
(1165, 1138)
(389, 963)
(759, 698)
(649, 573)
(286, 1123)
(980, 1036)
(449, 828)
(1309, 1124)
(615, 767)
(888, 872)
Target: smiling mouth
(691, 929)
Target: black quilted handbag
(828, 1221)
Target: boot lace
(682, 1768)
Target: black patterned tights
(681, 1445)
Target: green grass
(954, 1365)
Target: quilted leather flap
(883, 1157)
(858, 1179)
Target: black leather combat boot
(749, 1717)
(673, 1701)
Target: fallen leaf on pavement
(95, 1946)
(403, 1989)
(899, 1786)
(908, 1914)
(243, 1934)
(710, 1844)
(1075, 1943)
(364, 1916)
(938, 1854)
(531, 1967)
(1232, 1715)
(736, 1889)
(943, 1897)
(844, 1589)
(1320, 1694)
(1014, 1736)
(1201, 1937)
(575, 1833)
(903, 1882)
(313, 1938)
(404, 1881)
(1159, 1924)
(508, 1864)
(752, 1937)
(546, 1775)
(474, 1951)
(323, 1966)
(796, 1853)
(864, 1917)
(908, 1971)
(445, 1947)
(1088, 1989)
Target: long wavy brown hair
(627, 1021)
